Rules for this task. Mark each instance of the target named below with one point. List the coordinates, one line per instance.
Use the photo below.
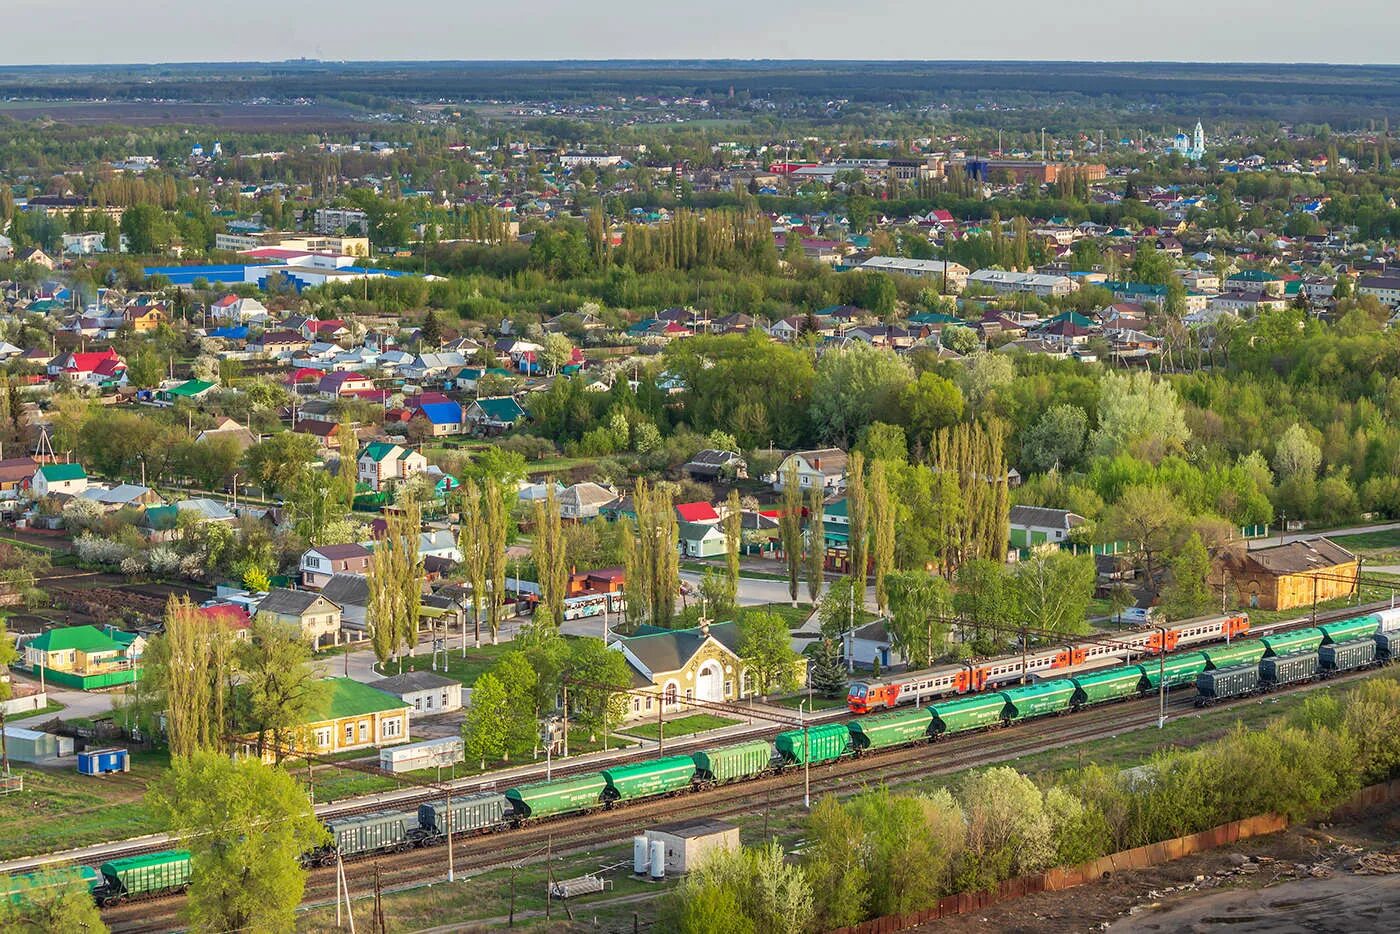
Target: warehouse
(686, 845)
(1287, 576)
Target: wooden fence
(1143, 857)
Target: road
(1308, 535)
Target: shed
(687, 844)
(100, 761)
(426, 754)
(33, 746)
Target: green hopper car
(1109, 684)
(16, 887)
(141, 876)
(1348, 630)
(825, 743)
(731, 763)
(372, 833)
(562, 796)
(641, 779)
(966, 713)
(1291, 643)
(1178, 669)
(1243, 652)
(470, 813)
(1036, 700)
(891, 729)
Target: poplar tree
(494, 523)
(881, 530)
(858, 512)
(349, 467)
(790, 527)
(551, 559)
(973, 455)
(816, 544)
(733, 526)
(471, 542)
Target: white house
(427, 692)
(66, 479)
(825, 468)
(383, 463)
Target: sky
(99, 31)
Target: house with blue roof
(439, 418)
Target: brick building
(1285, 576)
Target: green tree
(790, 527)
(1056, 439)
(816, 543)
(828, 670)
(487, 728)
(278, 463)
(920, 604)
(1052, 591)
(1140, 414)
(147, 229)
(1188, 594)
(246, 826)
(1151, 519)
(1008, 831)
(858, 516)
(930, 403)
(982, 375)
(882, 531)
(960, 339)
(765, 645)
(983, 598)
(145, 368)
(556, 350)
(733, 525)
(910, 844)
(430, 333)
(549, 550)
(51, 900)
(835, 865)
(1295, 454)
(853, 387)
(598, 680)
(839, 610)
(279, 689)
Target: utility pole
(566, 720)
(806, 761)
(660, 724)
(451, 875)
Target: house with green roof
(351, 716)
(494, 415)
(59, 479)
(84, 657)
(190, 391)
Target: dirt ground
(1318, 878)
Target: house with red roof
(332, 329)
(701, 513)
(230, 615)
(97, 368)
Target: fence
(106, 679)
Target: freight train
(1332, 648)
(1261, 665)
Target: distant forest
(1287, 92)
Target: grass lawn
(60, 809)
(794, 616)
(682, 726)
(53, 707)
(818, 702)
(1370, 593)
(1387, 538)
(466, 670)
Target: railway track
(572, 834)
(412, 797)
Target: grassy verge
(682, 726)
(818, 702)
(53, 707)
(464, 669)
(1370, 593)
(60, 809)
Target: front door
(709, 683)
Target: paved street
(1307, 535)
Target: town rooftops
(342, 552)
(347, 590)
(1301, 557)
(700, 512)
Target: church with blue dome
(1192, 147)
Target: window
(670, 694)
(390, 728)
(728, 688)
(364, 731)
(444, 698)
(430, 702)
(323, 737)
(745, 684)
(636, 705)
(418, 703)
(648, 702)
(689, 695)
(349, 733)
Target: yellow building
(356, 716)
(1287, 576)
(672, 667)
(79, 650)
